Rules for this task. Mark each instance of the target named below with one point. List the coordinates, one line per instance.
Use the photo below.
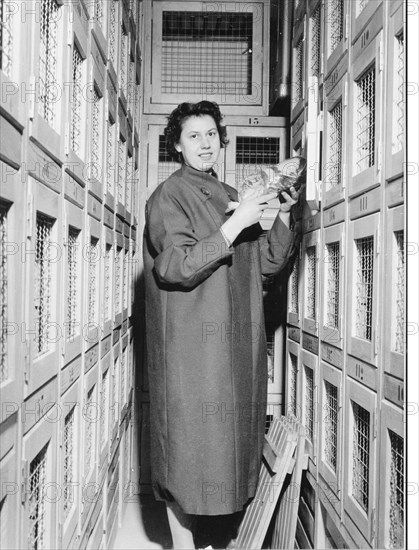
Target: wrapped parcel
(276, 178)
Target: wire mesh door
(4, 372)
(6, 36)
(396, 491)
(365, 122)
(361, 455)
(48, 59)
(334, 24)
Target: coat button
(205, 191)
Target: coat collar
(206, 184)
(210, 190)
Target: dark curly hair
(184, 111)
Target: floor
(145, 527)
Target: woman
(206, 342)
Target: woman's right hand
(251, 208)
(248, 212)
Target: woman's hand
(291, 197)
(251, 208)
(248, 212)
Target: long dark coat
(206, 345)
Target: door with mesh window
(206, 50)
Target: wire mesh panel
(73, 286)
(365, 121)
(330, 423)
(166, 165)
(76, 100)
(315, 59)
(95, 145)
(309, 402)
(48, 53)
(125, 274)
(43, 282)
(89, 421)
(98, 11)
(69, 461)
(123, 65)
(104, 400)
(110, 156)
(93, 258)
(298, 71)
(332, 283)
(397, 486)
(293, 373)
(334, 157)
(6, 36)
(3, 294)
(294, 295)
(211, 49)
(399, 292)
(398, 101)
(122, 169)
(335, 22)
(113, 50)
(122, 384)
(114, 395)
(128, 180)
(118, 280)
(364, 287)
(311, 282)
(360, 455)
(253, 154)
(37, 501)
(107, 310)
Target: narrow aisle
(144, 526)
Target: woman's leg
(180, 526)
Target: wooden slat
(281, 442)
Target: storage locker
(309, 401)
(92, 259)
(331, 425)
(118, 278)
(299, 79)
(294, 292)
(105, 412)
(43, 261)
(365, 153)
(111, 141)
(362, 331)
(90, 419)
(12, 239)
(108, 281)
(395, 84)
(9, 501)
(47, 22)
(292, 394)
(360, 461)
(73, 325)
(394, 287)
(39, 494)
(114, 404)
(333, 295)
(69, 465)
(311, 255)
(202, 50)
(336, 135)
(336, 32)
(392, 482)
(362, 11)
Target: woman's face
(199, 142)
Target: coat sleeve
(277, 246)
(180, 257)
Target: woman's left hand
(291, 197)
